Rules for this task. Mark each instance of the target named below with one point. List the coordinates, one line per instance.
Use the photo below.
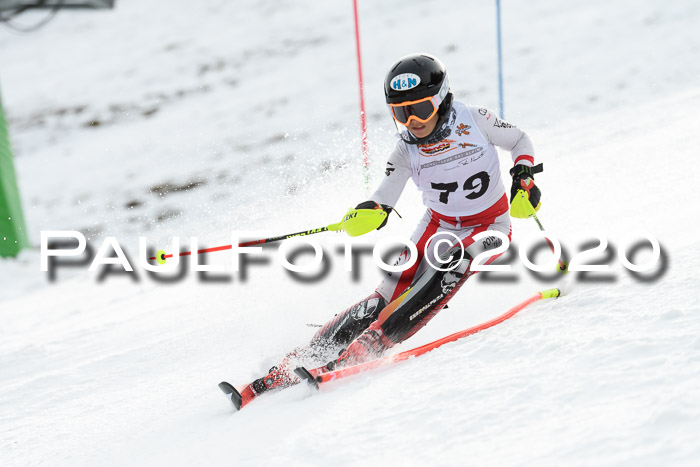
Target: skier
(447, 148)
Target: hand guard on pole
(373, 205)
(363, 219)
(524, 194)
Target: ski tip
(232, 394)
(303, 373)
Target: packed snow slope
(162, 119)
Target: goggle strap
(442, 93)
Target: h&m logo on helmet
(405, 81)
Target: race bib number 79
(477, 185)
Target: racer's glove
(374, 205)
(524, 179)
(362, 219)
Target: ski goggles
(420, 110)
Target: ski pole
(161, 256)
(522, 201)
(355, 222)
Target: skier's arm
(512, 138)
(505, 135)
(398, 170)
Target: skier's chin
(419, 131)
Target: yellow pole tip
(160, 256)
(551, 293)
(563, 267)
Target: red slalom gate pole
(352, 370)
(363, 114)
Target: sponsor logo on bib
(463, 129)
(434, 149)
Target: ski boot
(369, 345)
(276, 378)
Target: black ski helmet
(414, 77)
(417, 76)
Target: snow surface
(244, 116)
